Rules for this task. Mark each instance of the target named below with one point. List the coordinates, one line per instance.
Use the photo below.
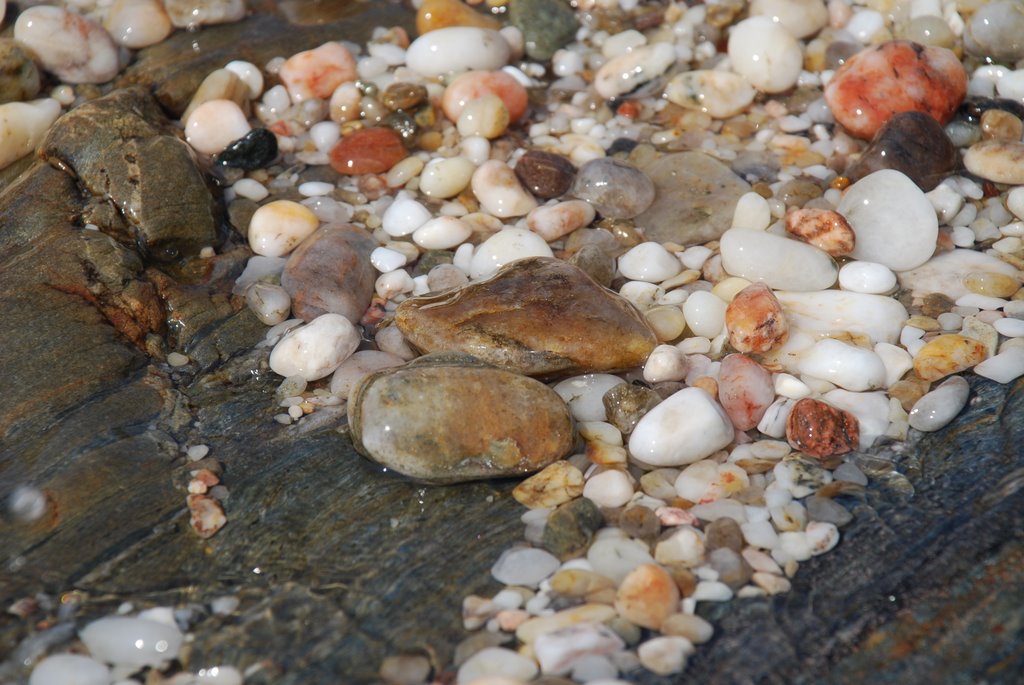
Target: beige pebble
(555, 484)
(667, 322)
(552, 222)
(137, 23)
(948, 354)
(991, 284)
(278, 227)
(486, 116)
(584, 613)
(444, 178)
(214, 125)
(577, 582)
(647, 596)
(499, 191)
(191, 14)
(996, 160)
(221, 84)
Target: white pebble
(686, 427)
(1010, 327)
(584, 394)
(502, 665)
(649, 262)
(499, 191)
(69, 669)
(250, 75)
(694, 257)
(711, 591)
(611, 488)
(848, 366)
(316, 349)
(752, 211)
(444, 178)
(73, 48)
(765, 53)
(315, 188)
(666, 654)
(940, 406)
(385, 259)
(624, 73)
(137, 23)
(23, 125)
(270, 303)
(705, 313)
(790, 386)
(134, 642)
(779, 262)
(403, 216)
(1003, 367)
(277, 227)
(897, 361)
(821, 536)
(615, 557)
(393, 283)
(866, 277)
(981, 301)
(665, 363)
(526, 566)
(506, 246)
(552, 222)
(457, 49)
(442, 233)
(721, 94)
(250, 189)
(215, 124)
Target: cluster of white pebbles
(847, 345)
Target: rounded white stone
(584, 394)
(821, 536)
(1010, 327)
(790, 386)
(848, 366)
(499, 191)
(134, 642)
(442, 233)
(316, 349)
(766, 54)
(552, 222)
(73, 48)
(315, 188)
(250, 188)
(760, 534)
(779, 262)
(705, 313)
(940, 406)
(325, 135)
(250, 74)
(752, 211)
(615, 557)
(1003, 367)
(611, 488)
(496, 665)
(649, 262)
(525, 566)
(831, 311)
(506, 246)
(457, 49)
(624, 73)
(277, 227)
(23, 125)
(665, 655)
(686, 427)
(665, 363)
(404, 216)
(897, 361)
(393, 283)
(802, 18)
(444, 178)
(137, 23)
(69, 669)
(214, 125)
(385, 259)
(270, 303)
(721, 94)
(867, 277)
(894, 222)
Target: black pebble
(255, 150)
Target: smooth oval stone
(867, 277)
(802, 18)
(545, 174)
(948, 354)
(766, 54)
(894, 221)
(626, 72)
(695, 199)
(776, 261)
(69, 669)
(456, 49)
(686, 427)
(69, 46)
(368, 151)
(499, 191)
(755, 320)
(721, 94)
(1001, 161)
(331, 272)
(848, 366)
(439, 14)
(546, 26)
(913, 143)
(504, 247)
(940, 406)
(832, 311)
(537, 316)
(617, 189)
(897, 76)
(473, 85)
(255, 150)
(945, 273)
(23, 125)
(745, 390)
(128, 641)
(995, 31)
(450, 418)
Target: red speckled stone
(820, 430)
(368, 151)
(898, 76)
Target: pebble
(721, 94)
(896, 76)
(457, 49)
(499, 191)
(19, 75)
(766, 54)
(623, 74)
(505, 247)
(705, 313)
(848, 366)
(994, 32)
(69, 46)
(439, 14)
(647, 596)
(552, 222)
(776, 261)
(496, 661)
(553, 485)
(625, 404)
(771, 583)
(270, 303)
(404, 216)
(1003, 367)
(254, 150)
(665, 363)
(745, 390)
(686, 427)
(665, 655)
(485, 116)
(331, 271)
(524, 566)
(649, 262)
(214, 125)
(357, 367)
(317, 73)
(403, 669)
(568, 649)
(137, 23)
(23, 125)
(316, 349)
(689, 626)
(277, 227)
(444, 178)
(546, 26)
(371, 150)
(825, 229)
(948, 354)
(532, 629)
(609, 489)
(570, 528)
(442, 233)
(191, 14)
(132, 642)
(871, 409)
(707, 481)
(802, 18)
(827, 510)
(867, 277)
(820, 430)
(221, 84)
(991, 284)
(616, 189)
(250, 75)
(996, 160)
(894, 221)
(945, 273)
(755, 320)
(940, 406)
(69, 669)
(474, 85)
(545, 174)
(1010, 327)
(822, 536)
(912, 143)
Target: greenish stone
(547, 25)
(19, 76)
(571, 527)
(626, 404)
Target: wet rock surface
(336, 564)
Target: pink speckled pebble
(316, 73)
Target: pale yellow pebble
(948, 354)
(682, 278)
(221, 84)
(486, 116)
(584, 613)
(727, 288)
(667, 322)
(577, 582)
(444, 178)
(137, 23)
(925, 323)
(404, 171)
(606, 454)
(345, 104)
(555, 484)
(991, 284)
(278, 227)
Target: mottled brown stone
(755, 320)
(820, 430)
(826, 229)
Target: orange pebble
(368, 151)
(475, 84)
(439, 14)
(316, 73)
